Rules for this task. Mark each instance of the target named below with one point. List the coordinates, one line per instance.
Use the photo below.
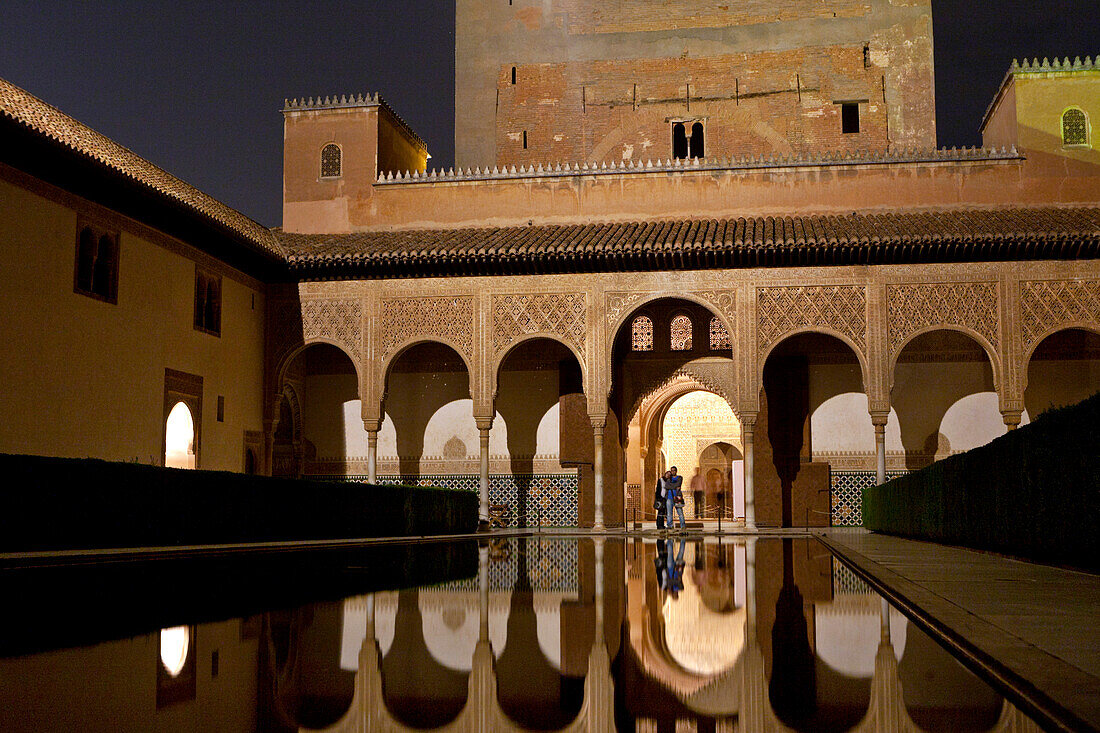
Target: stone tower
(539, 81)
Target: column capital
(1012, 418)
(748, 421)
(879, 419)
(372, 427)
(598, 422)
(483, 423)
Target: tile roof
(31, 112)
(879, 238)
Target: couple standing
(669, 495)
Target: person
(674, 493)
(660, 496)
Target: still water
(522, 633)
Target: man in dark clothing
(659, 499)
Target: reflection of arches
(179, 438)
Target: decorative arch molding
(653, 407)
(715, 376)
(405, 321)
(561, 316)
(838, 310)
(498, 360)
(284, 362)
(990, 352)
(970, 307)
(859, 353)
(384, 367)
(295, 404)
(339, 322)
(619, 307)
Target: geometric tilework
(847, 582)
(846, 498)
(551, 500)
(551, 566)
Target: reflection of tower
(793, 684)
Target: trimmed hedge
(1032, 493)
(62, 503)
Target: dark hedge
(1032, 493)
(61, 503)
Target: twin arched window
(680, 333)
(331, 161)
(1075, 127)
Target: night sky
(196, 87)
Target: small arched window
(641, 334)
(330, 161)
(1075, 127)
(681, 333)
(679, 141)
(697, 140)
(719, 336)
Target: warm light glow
(174, 643)
(179, 438)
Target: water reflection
(551, 634)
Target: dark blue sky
(196, 87)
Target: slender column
(483, 593)
(747, 428)
(483, 427)
(597, 469)
(372, 456)
(879, 418)
(884, 621)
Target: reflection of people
(674, 496)
(659, 566)
(660, 493)
(675, 568)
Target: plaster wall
(1058, 383)
(86, 378)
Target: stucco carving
(515, 316)
(716, 376)
(724, 301)
(1045, 304)
(969, 305)
(617, 303)
(449, 318)
(337, 320)
(782, 310)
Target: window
(719, 336)
(330, 161)
(513, 75)
(96, 263)
(849, 117)
(208, 302)
(221, 408)
(1075, 127)
(641, 334)
(681, 333)
(525, 139)
(866, 55)
(696, 140)
(679, 141)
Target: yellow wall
(83, 377)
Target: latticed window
(641, 334)
(719, 336)
(681, 333)
(1075, 129)
(330, 161)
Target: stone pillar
(748, 425)
(879, 420)
(597, 469)
(483, 427)
(372, 456)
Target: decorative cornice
(351, 101)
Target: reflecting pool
(519, 633)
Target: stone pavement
(1034, 629)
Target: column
(597, 469)
(372, 455)
(1012, 417)
(879, 420)
(483, 427)
(748, 425)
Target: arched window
(175, 643)
(1075, 127)
(330, 161)
(697, 140)
(679, 141)
(681, 333)
(641, 334)
(719, 336)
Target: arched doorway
(794, 447)
(660, 343)
(179, 438)
(1063, 369)
(693, 427)
(945, 397)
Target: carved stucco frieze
(715, 376)
(967, 305)
(723, 301)
(783, 310)
(1047, 304)
(618, 303)
(449, 318)
(335, 320)
(516, 316)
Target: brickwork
(749, 104)
(632, 16)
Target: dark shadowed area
(196, 87)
